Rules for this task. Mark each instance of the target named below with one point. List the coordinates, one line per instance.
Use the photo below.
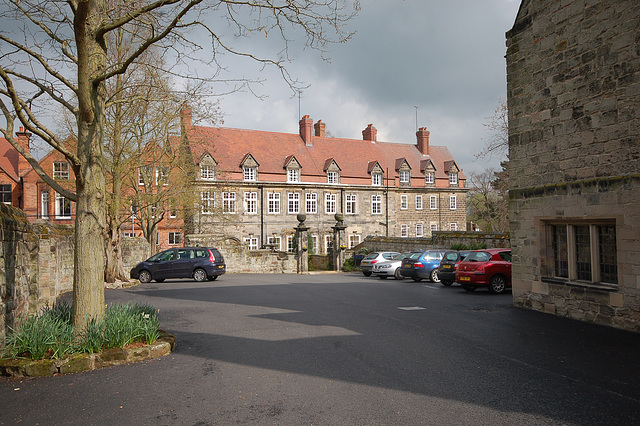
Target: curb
(78, 363)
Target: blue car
(420, 265)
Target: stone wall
(18, 268)
(440, 240)
(573, 73)
(240, 259)
(55, 260)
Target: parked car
(421, 265)
(449, 264)
(390, 268)
(366, 266)
(489, 268)
(199, 263)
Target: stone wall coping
(77, 363)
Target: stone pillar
(339, 243)
(302, 253)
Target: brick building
(12, 168)
(252, 185)
(573, 72)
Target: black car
(449, 265)
(199, 263)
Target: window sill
(581, 284)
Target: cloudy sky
(444, 56)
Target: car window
(414, 255)
(478, 256)
(388, 256)
(185, 254)
(400, 256)
(200, 253)
(371, 256)
(433, 256)
(506, 256)
(166, 255)
(451, 255)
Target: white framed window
(453, 202)
(5, 194)
(376, 204)
(144, 175)
(419, 205)
(404, 202)
(252, 242)
(328, 243)
(293, 175)
(433, 202)
(419, 230)
(405, 177)
(275, 242)
(453, 178)
(207, 173)
(330, 203)
(251, 203)
(228, 202)
(354, 240)
(290, 243)
(429, 178)
(404, 230)
(175, 238)
(249, 174)
(128, 234)
(314, 249)
(63, 207)
(44, 204)
(453, 227)
(352, 204)
(312, 202)
(273, 205)
(173, 212)
(433, 227)
(294, 203)
(376, 179)
(162, 176)
(61, 170)
(207, 202)
(333, 177)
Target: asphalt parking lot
(346, 349)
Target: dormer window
(333, 177)
(61, 170)
(249, 174)
(207, 172)
(376, 179)
(429, 178)
(453, 178)
(293, 175)
(405, 177)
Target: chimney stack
(319, 128)
(370, 133)
(23, 137)
(186, 117)
(423, 140)
(306, 130)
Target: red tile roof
(271, 149)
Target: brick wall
(573, 72)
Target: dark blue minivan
(199, 263)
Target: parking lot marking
(411, 308)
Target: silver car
(366, 266)
(390, 268)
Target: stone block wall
(55, 260)
(18, 268)
(440, 240)
(573, 73)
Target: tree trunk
(88, 280)
(114, 270)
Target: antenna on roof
(299, 111)
(416, 117)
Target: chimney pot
(370, 133)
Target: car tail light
(418, 265)
(374, 261)
(212, 258)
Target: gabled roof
(401, 162)
(229, 146)
(328, 164)
(9, 159)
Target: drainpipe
(386, 198)
(261, 216)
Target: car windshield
(414, 255)
(401, 256)
(433, 256)
(478, 256)
(451, 255)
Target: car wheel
(417, 279)
(434, 276)
(199, 275)
(213, 278)
(397, 275)
(382, 277)
(498, 284)
(367, 273)
(468, 287)
(159, 281)
(447, 283)
(144, 277)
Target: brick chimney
(23, 138)
(319, 129)
(423, 140)
(186, 116)
(370, 133)
(306, 130)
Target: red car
(489, 268)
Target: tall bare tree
(56, 51)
